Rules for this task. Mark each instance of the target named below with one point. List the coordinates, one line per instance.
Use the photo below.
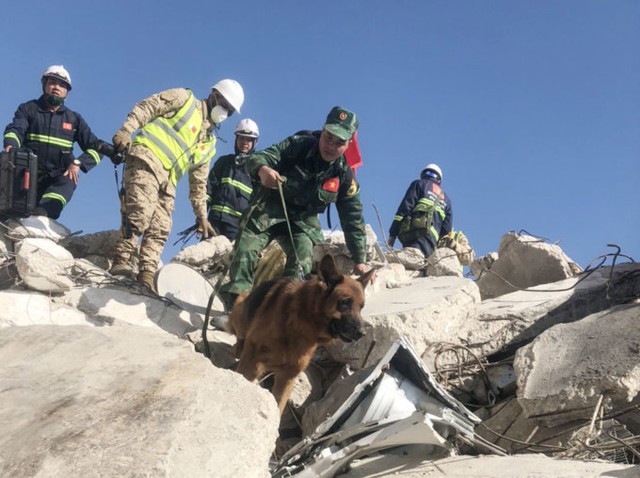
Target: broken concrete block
(565, 370)
(335, 244)
(99, 243)
(206, 256)
(483, 264)
(444, 262)
(411, 258)
(44, 265)
(126, 400)
(501, 325)
(429, 309)
(524, 261)
(37, 227)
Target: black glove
(109, 151)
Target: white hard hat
(232, 92)
(247, 128)
(432, 167)
(56, 71)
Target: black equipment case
(18, 182)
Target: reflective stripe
(398, 218)
(175, 140)
(182, 120)
(41, 138)
(169, 130)
(13, 136)
(56, 197)
(94, 154)
(434, 233)
(226, 210)
(161, 146)
(209, 198)
(237, 184)
(430, 203)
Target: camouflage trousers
(148, 203)
(251, 243)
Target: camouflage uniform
(311, 185)
(150, 188)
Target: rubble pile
(527, 363)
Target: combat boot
(147, 279)
(121, 268)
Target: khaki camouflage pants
(149, 202)
(251, 243)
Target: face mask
(218, 114)
(54, 100)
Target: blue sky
(531, 108)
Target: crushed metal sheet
(397, 403)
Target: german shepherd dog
(280, 323)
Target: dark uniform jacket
(229, 188)
(423, 192)
(311, 185)
(51, 134)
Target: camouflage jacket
(167, 103)
(311, 185)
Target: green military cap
(341, 123)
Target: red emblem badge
(331, 185)
(67, 126)
(343, 116)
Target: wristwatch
(77, 162)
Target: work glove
(122, 141)
(205, 229)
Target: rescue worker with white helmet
(174, 137)
(229, 185)
(50, 129)
(425, 213)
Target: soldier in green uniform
(313, 173)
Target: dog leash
(286, 216)
(214, 292)
(216, 288)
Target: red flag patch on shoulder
(436, 189)
(331, 185)
(67, 126)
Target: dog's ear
(367, 277)
(329, 271)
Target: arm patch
(353, 188)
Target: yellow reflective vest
(175, 140)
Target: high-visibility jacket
(425, 211)
(229, 188)
(51, 135)
(174, 140)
